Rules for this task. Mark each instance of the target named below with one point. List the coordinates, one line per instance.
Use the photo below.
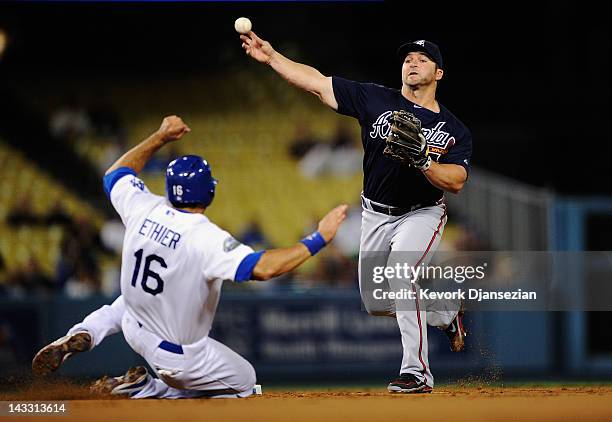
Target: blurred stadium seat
(22, 181)
(248, 150)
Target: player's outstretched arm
(305, 77)
(172, 129)
(275, 262)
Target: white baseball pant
(204, 368)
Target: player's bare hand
(257, 48)
(172, 129)
(328, 226)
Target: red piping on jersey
(416, 299)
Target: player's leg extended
(80, 338)
(374, 250)
(102, 322)
(416, 237)
(445, 314)
(205, 368)
(136, 383)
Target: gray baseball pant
(411, 238)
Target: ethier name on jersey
(159, 233)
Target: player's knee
(387, 313)
(251, 377)
(377, 309)
(245, 377)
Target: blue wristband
(314, 243)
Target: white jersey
(173, 263)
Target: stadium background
(80, 82)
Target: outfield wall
(318, 336)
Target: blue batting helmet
(189, 181)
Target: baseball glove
(406, 143)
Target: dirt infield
(448, 403)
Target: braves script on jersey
(385, 181)
(173, 263)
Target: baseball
(243, 25)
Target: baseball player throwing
(174, 261)
(415, 150)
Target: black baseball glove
(406, 143)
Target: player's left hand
(172, 129)
(406, 142)
(328, 226)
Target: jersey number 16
(148, 273)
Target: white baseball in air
(243, 25)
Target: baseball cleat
(51, 357)
(408, 383)
(456, 333)
(131, 383)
